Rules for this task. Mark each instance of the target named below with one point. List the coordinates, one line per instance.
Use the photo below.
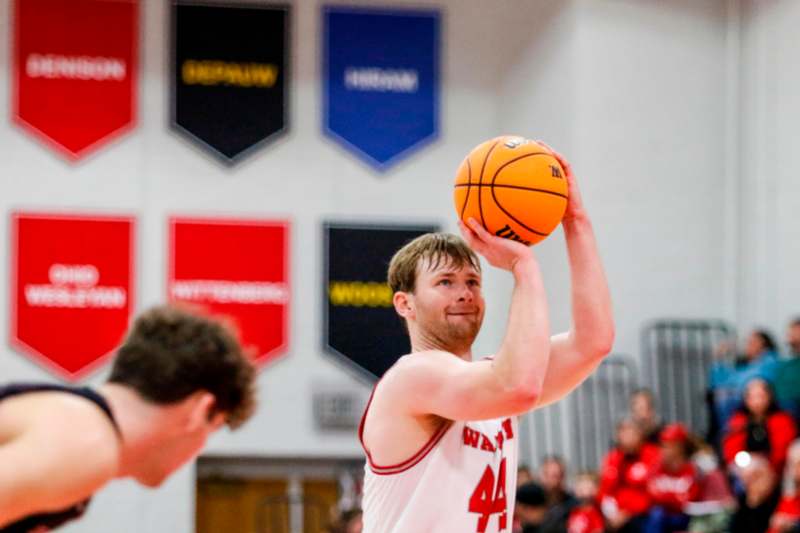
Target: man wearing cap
(529, 514)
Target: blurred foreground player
(177, 378)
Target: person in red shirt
(787, 516)
(759, 426)
(626, 469)
(585, 517)
(673, 484)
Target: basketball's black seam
(469, 187)
(512, 217)
(497, 203)
(517, 159)
(546, 191)
(480, 182)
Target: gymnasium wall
(768, 202)
(677, 117)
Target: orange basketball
(514, 187)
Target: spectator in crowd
(759, 427)
(787, 516)
(524, 475)
(353, 521)
(787, 375)
(560, 501)
(715, 504)
(759, 497)
(531, 508)
(348, 521)
(793, 337)
(586, 517)
(673, 484)
(643, 412)
(727, 381)
(626, 469)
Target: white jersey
(463, 480)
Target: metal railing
(580, 428)
(677, 356)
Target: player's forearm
(522, 360)
(592, 316)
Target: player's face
(448, 304)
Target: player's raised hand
(575, 207)
(499, 252)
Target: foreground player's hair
(171, 353)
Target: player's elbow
(599, 344)
(523, 397)
(523, 390)
(604, 343)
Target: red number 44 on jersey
(489, 498)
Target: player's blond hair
(433, 247)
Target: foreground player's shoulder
(64, 453)
(80, 425)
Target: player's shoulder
(418, 368)
(409, 372)
(430, 365)
(77, 424)
(425, 360)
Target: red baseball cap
(673, 433)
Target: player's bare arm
(577, 353)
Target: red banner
(236, 268)
(72, 288)
(75, 70)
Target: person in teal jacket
(787, 378)
(727, 380)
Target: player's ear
(403, 303)
(201, 409)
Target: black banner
(360, 323)
(229, 79)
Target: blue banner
(381, 75)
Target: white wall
(769, 201)
(631, 91)
(693, 204)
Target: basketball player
(177, 378)
(440, 431)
